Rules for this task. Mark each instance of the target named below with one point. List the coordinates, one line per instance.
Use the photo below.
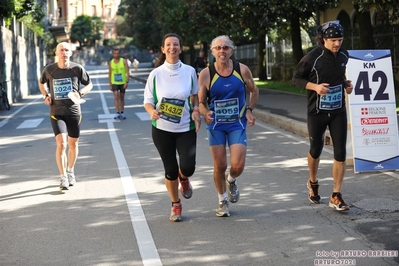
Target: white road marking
(2, 123)
(104, 118)
(144, 116)
(30, 123)
(148, 250)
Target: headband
(331, 29)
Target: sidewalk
(285, 110)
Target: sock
(313, 182)
(175, 202)
(70, 170)
(335, 194)
(230, 179)
(122, 112)
(62, 176)
(222, 197)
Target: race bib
(333, 99)
(172, 109)
(61, 88)
(118, 77)
(227, 111)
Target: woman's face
(171, 49)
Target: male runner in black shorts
(56, 82)
(322, 73)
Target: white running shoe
(64, 183)
(71, 178)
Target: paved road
(118, 212)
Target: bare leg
(60, 152)
(121, 102)
(116, 101)
(338, 172)
(313, 165)
(237, 159)
(173, 188)
(220, 165)
(73, 150)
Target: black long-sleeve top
(321, 66)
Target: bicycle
(4, 97)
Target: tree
(86, 30)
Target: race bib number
(333, 99)
(118, 77)
(61, 88)
(227, 111)
(172, 109)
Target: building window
(109, 12)
(93, 11)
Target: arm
(86, 89)
(196, 112)
(44, 91)
(253, 93)
(110, 75)
(203, 97)
(127, 73)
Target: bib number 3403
(362, 86)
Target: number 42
(363, 87)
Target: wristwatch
(45, 96)
(249, 108)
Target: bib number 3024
(362, 86)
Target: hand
(250, 118)
(154, 115)
(48, 101)
(348, 86)
(322, 89)
(197, 119)
(208, 117)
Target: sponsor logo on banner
(373, 111)
(374, 120)
(373, 132)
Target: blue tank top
(227, 100)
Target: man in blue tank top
(222, 98)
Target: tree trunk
(261, 57)
(297, 52)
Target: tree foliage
(31, 12)
(86, 30)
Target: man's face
(333, 44)
(63, 51)
(116, 54)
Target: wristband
(249, 108)
(196, 110)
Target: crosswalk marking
(30, 123)
(144, 116)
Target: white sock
(70, 170)
(223, 196)
(230, 179)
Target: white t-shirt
(169, 91)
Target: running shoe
(223, 209)
(338, 203)
(71, 178)
(313, 195)
(123, 116)
(185, 187)
(117, 116)
(175, 213)
(64, 183)
(233, 192)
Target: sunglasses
(218, 48)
